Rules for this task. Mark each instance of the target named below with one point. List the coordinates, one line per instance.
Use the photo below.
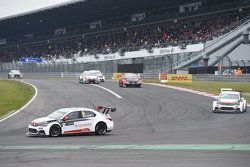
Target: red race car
(130, 79)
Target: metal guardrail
(224, 78)
(145, 76)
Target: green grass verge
(13, 95)
(212, 86)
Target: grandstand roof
(77, 12)
(29, 7)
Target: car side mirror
(216, 97)
(242, 98)
(66, 118)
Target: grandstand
(163, 35)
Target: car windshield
(228, 96)
(97, 72)
(131, 76)
(89, 73)
(15, 71)
(58, 114)
(92, 74)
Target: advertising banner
(179, 77)
(138, 17)
(60, 31)
(97, 24)
(2, 41)
(163, 77)
(31, 60)
(117, 76)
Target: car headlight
(44, 124)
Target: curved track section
(147, 116)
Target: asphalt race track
(154, 126)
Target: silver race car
(100, 75)
(89, 77)
(15, 74)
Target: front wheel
(100, 128)
(55, 131)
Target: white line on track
(7, 117)
(110, 91)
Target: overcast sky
(13, 7)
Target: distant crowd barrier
(144, 76)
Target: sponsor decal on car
(78, 130)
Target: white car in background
(100, 75)
(73, 120)
(15, 74)
(89, 77)
(229, 101)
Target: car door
(69, 122)
(87, 123)
(76, 122)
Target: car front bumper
(133, 84)
(37, 131)
(227, 108)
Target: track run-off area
(154, 126)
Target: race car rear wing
(229, 89)
(106, 110)
(226, 89)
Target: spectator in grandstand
(131, 39)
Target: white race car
(229, 101)
(100, 75)
(15, 74)
(89, 77)
(73, 120)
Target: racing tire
(100, 128)
(55, 131)
(245, 109)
